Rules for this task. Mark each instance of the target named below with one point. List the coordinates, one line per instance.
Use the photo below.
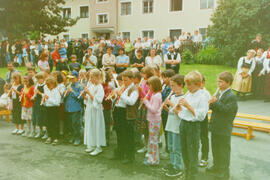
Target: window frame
(101, 2)
(122, 33)
(176, 28)
(131, 9)
(142, 7)
(144, 30)
(214, 5)
(67, 7)
(80, 11)
(169, 7)
(66, 34)
(97, 18)
(85, 33)
(202, 27)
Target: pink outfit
(154, 121)
(145, 89)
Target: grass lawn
(209, 71)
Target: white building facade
(156, 19)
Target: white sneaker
(20, 132)
(96, 152)
(143, 150)
(15, 131)
(90, 150)
(32, 134)
(26, 134)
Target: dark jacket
(223, 113)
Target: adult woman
(242, 80)
(129, 48)
(266, 68)
(258, 75)
(138, 60)
(153, 59)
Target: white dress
(94, 131)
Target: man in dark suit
(224, 108)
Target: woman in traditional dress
(266, 68)
(243, 80)
(258, 75)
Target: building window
(126, 35)
(175, 32)
(84, 12)
(203, 32)
(149, 34)
(126, 8)
(101, 1)
(102, 19)
(147, 6)
(85, 36)
(66, 37)
(176, 5)
(207, 4)
(66, 12)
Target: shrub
(208, 55)
(187, 57)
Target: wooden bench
(250, 126)
(6, 113)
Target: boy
(192, 109)
(172, 127)
(166, 90)
(224, 108)
(73, 107)
(204, 131)
(125, 115)
(74, 65)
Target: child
(16, 104)
(172, 127)
(5, 99)
(192, 109)
(107, 106)
(52, 100)
(43, 63)
(143, 89)
(204, 131)
(27, 103)
(74, 65)
(166, 90)
(224, 108)
(124, 115)
(94, 134)
(154, 120)
(38, 108)
(73, 106)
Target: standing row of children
(139, 103)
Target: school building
(137, 18)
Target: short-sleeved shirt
(43, 64)
(122, 59)
(88, 64)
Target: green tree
(235, 25)
(19, 17)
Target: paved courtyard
(27, 159)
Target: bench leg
(249, 133)
(8, 119)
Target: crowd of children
(83, 107)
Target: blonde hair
(193, 77)
(40, 75)
(17, 75)
(95, 72)
(251, 51)
(51, 80)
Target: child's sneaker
(48, 141)
(203, 163)
(167, 168)
(143, 150)
(38, 135)
(26, 134)
(96, 152)
(32, 134)
(20, 132)
(55, 142)
(15, 131)
(45, 136)
(174, 172)
(90, 150)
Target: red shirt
(27, 98)
(55, 56)
(107, 104)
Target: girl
(94, 133)
(154, 120)
(242, 80)
(43, 62)
(52, 100)
(27, 103)
(5, 99)
(17, 110)
(143, 89)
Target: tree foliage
(19, 17)
(235, 25)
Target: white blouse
(241, 62)
(151, 61)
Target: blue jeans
(174, 148)
(7, 58)
(75, 119)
